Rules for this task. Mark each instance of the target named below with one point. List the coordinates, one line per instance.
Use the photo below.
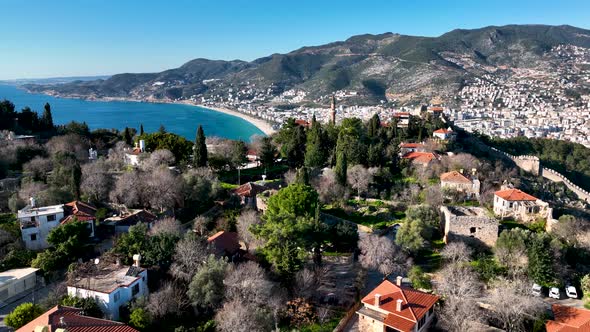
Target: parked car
(537, 290)
(554, 293)
(571, 292)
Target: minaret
(333, 110)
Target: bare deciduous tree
(458, 281)
(290, 176)
(359, 178)
(201, 225)
(456, 252)
(381, 254)
(248, 283)
(129, 189)
(170, 299)
(242, 317)
(96, 181)
(190, 253)
(71, 143)
(328, 187)
(245, 222)
(167, 226)
(116, 156)
(31, 189)
(158, 158)
(308, 280)
(511, 304)
(164, 189)
(38, 168)
(458, 315)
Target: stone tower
(333, 110)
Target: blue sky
(43, 38)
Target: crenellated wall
(532, 164)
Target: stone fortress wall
(533, 165)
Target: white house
(520, 205)
(133, 157)
(37, 222)
(17, 281)
(444, 134)
(112, 286)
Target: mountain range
(379, 67)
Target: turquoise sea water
(179, 119)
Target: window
(51, 217)
(33, 218)
(135, 289)
(510, 205)
(33, 237)
(116, 297)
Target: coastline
(263, 125)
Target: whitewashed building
(37, 222)
(17, 281)
(112, 286)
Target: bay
(176, 118)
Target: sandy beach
(259, 123)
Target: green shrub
(419, 279)
(23, 314)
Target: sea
(176, 118)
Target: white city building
(37, 222)
(112, 286)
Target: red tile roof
(515, 195)
(74, 321)
(454, 177)
(249, 189)
(415, 304)
(568, 319)
(435, 109)
(400, 114)
(442, 131)
(303, 123)
(411, 145)
(420, 157)
(78, 210)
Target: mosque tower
(333, 110)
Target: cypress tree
(267, 152)
(162, 129)
(76, 180)
(315, 155)
(127, 136)
(341, 167)
(141, 129)
(373, 127)
(540, 267)
(47, 118)
(200, 149)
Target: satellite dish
(96, 261)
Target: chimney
(398, 280)
(32, 201)
(398, 305)
(377, 300)
(473, 171)
(461, 171)
(142, 145)
(118, 262)
(136, 260)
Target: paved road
(35, 297)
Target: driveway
(576, 303)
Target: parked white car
(571, 292)
(537, 290)
(554, 293)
